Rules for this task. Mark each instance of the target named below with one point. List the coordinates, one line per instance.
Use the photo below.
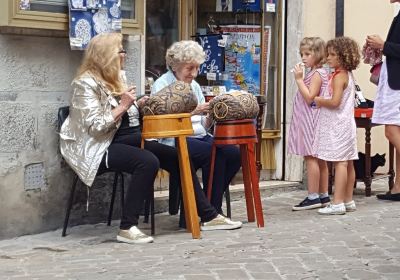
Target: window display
(92, 17)
(252, 49)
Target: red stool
(242, 133)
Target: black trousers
(142, 165)
(227, 164)
(124, 154)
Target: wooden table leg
(192, 220)
(391, 166)
(261, 100)
(211, 176)
(255, 186)
(367, 178)
(247, 183)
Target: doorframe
(187, 19)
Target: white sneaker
(220, 223)
(333, 209)
(350, 206)
(133, 236)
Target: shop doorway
(162, 29)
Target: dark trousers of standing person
(142, 165)
(227, 164)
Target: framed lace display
(91, 17)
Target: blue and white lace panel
(91, 17)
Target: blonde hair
(317, 46)
(185, 51)
(101, 60)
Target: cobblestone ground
(292, 245)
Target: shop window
(161, 31)
(61, 6)
(51, 6)
(53, 14)
(254, 28)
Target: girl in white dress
(335, 139)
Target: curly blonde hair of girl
(102, 61)
(317, 46)
(347, 50)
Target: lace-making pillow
(235, 105)
(173, 99)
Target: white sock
(312, 196)
(323, 195)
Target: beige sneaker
(350, 206)
(333, 209)
(220, 223)
(133, 236)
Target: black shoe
(389, 196)
(325, 201)
(307, 204)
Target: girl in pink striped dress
(305, 119)
(335, 138)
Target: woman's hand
(201, 109)
(375, 41)
(128, 98)
(142, 101)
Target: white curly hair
(185, 51)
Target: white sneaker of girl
(350, 206)
(333, 209)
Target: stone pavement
(293, 245)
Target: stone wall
(35, 77)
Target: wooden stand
(242, 133)
(178, 126)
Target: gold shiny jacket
(89, 129)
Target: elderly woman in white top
(183, 60)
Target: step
(267, 188)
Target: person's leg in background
(392, 133)
(210, 219)
(312, 200)
(200, 155)
(227, 164)
(168, 157)
(337, 207)
(323, 183)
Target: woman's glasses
(122, 51)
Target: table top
(363, 112)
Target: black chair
(63, 113)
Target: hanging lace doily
(100, 21)
(83, 30)
(77, 4)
